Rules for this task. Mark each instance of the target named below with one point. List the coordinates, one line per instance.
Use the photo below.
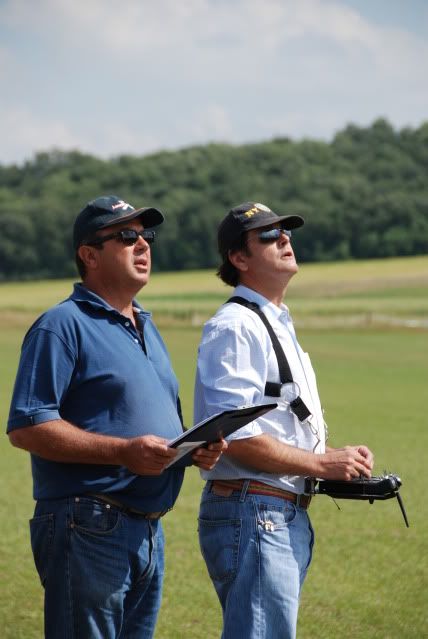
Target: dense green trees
(365, 194)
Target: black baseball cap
(106, 211)
(247, 216)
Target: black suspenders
(273, 389)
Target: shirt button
(127, 323)
(135, 340)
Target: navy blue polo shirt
(84, 362)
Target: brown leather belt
(225, 487)
(132, 512)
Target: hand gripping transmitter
(371, 489)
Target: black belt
(127, 510)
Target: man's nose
(284, 238)
(141, 244)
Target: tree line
(363, 195)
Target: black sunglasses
(272, 235)
(127, 236)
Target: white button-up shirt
(235, 360)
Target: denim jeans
(101, 570)
(257, 550)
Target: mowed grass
(367, 292)
(369, 573)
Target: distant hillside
(363, 195)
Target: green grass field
(363, 324)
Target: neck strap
(273, 389)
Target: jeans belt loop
(243, 494)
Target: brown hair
(227, 272)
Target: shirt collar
(269, 308)
(83, 295)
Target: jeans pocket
(42, 530)
(272, 518)
(219, 542)
(94, 518)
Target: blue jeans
(257, 550)
(101, 570)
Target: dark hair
(228, 273)
(79, 262)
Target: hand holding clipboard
(215, 427)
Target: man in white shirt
(254, 529)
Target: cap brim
(149, 217)
(290, 221)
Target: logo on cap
(256, 209)
(262, 207)
(122, 205)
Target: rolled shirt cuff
(21, 421)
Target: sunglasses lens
(272, 235)
(149, 236)
(129, 237)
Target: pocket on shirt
(219, 542)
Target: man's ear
(238, 259)
(89, 256)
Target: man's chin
(292, 265)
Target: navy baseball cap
(247, 216)
(108, 210)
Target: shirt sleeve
(231, 371)
(44, 374)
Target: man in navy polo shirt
(95, 402)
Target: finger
(221, 445)
(200, 463)
(363, 470)
(155, 464)
(208, 452)
(205, 457)
(206, 466)
(366, 463)
(367, 454)
(206, 461)
(165, 451)
(363, 450)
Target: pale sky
(110, 77)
